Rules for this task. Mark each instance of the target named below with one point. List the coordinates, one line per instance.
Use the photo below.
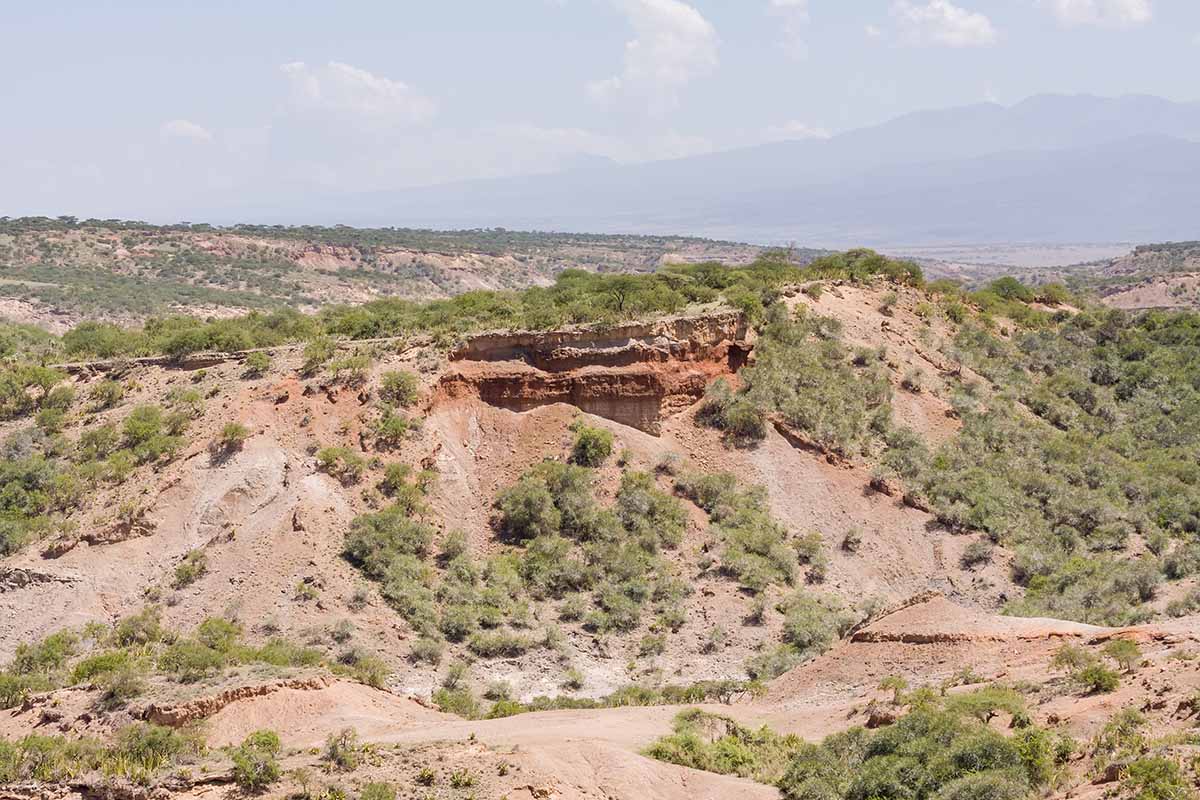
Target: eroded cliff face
(634, 374)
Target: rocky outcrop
(710, 337)
(13, 578)
(203, 707)
(635, 374)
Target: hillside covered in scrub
(61, 271)
(811, 528)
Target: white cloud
(873, 32)
(795, 17)
(184, 129)
(673, 45)
(940, 22)
(1102, 13)
(343, 89)
(792, 130)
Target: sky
(163, 109)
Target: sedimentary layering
(633, 374)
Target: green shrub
(147, 434)
(231, 437)
(399, 387)
(527, 510)
(498, 644)
(803, 374)
(426, 650)
(1155, 778)
(392, 428)
(376, 540)
(98, 664)
(650, 515)
(342, 463)
(367, 669)
(976, 553)
(316, 353)
(255, 764)
(51, 420)
(1125, 652)
(592, 446)
(811, 626)
(652, 645)
(257, 364)
(350, 370)
(144, 627)
(190, 570)
(1097, 679)
(460, 702)
(120, 686)
(377, 791)
(742, 420)
(342, 750)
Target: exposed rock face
(203, 707)
(634, 374)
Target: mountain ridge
(688, 194)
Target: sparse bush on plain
(255, 761)
(592, 445)
(399, 388)
(190, 570)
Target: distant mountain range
(1050, 169)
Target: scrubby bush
(399, 387)
(527, 509)
(803, 374)
(106, 394)
(1155, 778)
(231, 437)
(1097, 679)
(741, 420)
(350, 370)
(342, 750)
(392, 428)
(316, 353)
(377, 791)
(1125, 652)
(498, 644)
(257, 364)
(343, 463)
(592, 446)
(255, 764)
(976, 553)
(190, 570)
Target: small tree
(342, 750)
(1098, 679)
(592, 446)
(896, 685)
(1071, 658)
(106, 394)
(257, 364)
(399, 387)
(231, 438)
(255, 764)
(193, 566)
(1125, 652)
(316, 353)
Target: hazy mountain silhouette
(1051, 168)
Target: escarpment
(634, 374)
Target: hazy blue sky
(152, 109)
